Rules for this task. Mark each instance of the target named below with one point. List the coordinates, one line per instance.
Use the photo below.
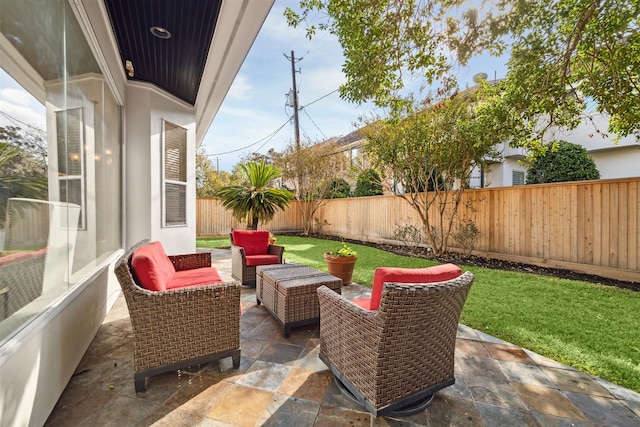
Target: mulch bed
(496, 264)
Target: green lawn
(593, 328)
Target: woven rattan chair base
(140, 378)
(405, 411)
(410, 405)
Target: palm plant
(16, 185)
(255, 200)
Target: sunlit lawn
(593, 328)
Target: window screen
(175, 174)
(518, 178)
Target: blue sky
(254, 108)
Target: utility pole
(295, 98)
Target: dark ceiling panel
(176, 64)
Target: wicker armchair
(179, 328)
(392, 360)
(21, 279)
(244, 260)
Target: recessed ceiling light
(159, 32)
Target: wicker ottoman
(289, 292)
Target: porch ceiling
(176, 64)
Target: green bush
(338, 189)
(562, 161)
(369, 184)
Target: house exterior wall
(613, 158)
(145, 111)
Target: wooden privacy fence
(212, 219)
(587, 226)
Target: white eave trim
(237, 28)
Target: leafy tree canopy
(310, 171)
(562, 161)
(436, 148)
(208, 180)
(563, 52)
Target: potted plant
(272, 239)
(341, 261)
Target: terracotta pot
(272, 240)
(341, 266)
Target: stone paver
(283, 382)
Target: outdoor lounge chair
(393, 359)
(192, 317)
(250, 248)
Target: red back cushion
(438, 273)
(152, 267)
(254, 242)
(20, 256)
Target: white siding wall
(145, 110)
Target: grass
(593, 328)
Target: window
(61, 218)
(71, 169)
(354, 156)
(174, 175)
(517, 177)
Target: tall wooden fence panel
(588, 226)
(213, 219)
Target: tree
(255, 200)
(311, 171)
(208, 180)
(569, 52)
(563, 53)
(562, 161)
(338, 189)
(436, 148)
(23, 167)
(387, 43)
(368, 184)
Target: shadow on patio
(283, 382)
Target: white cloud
(16, 96)
(21, 115)
(240, 89)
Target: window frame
(167, 182)
(65, 178)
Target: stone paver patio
(282, 382)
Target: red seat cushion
(254, 242)
(152, 267)
(262, 259)
(196, 277)
(438, 273)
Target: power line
(268, 138)
(322, 97)
(314, 123)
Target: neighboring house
(129, 89)
(614, 159)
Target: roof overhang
(209, 40)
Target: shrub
(369, 184)
(409, 235)
(467, 235)
(562, 161)
(338, 189)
